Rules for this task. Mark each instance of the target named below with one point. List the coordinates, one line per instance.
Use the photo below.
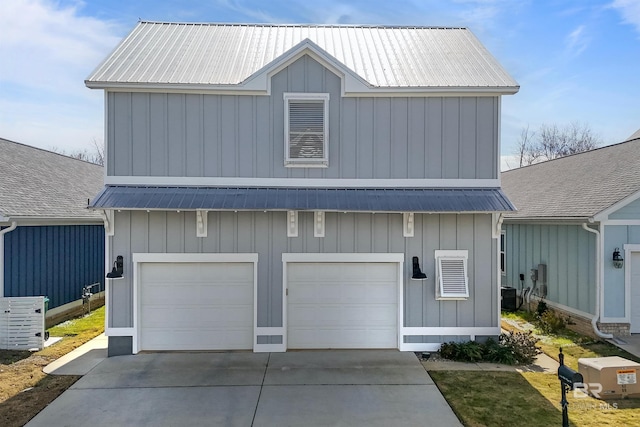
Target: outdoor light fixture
(118, 268)
(417, 273)
(618, 261)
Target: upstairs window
(452, 281)
(306, 122)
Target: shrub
(497, 353)
(522, 346)
(551, 322)
(541, 309)
(511, 348)
(468, 351)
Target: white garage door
(196, 306)
(342, 305)
(635, 292)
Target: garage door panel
(342, 305)
(196, 306)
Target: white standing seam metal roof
(164, 53)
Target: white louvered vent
(21, 323)
(452, 280)
(306, 125)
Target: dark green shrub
(510, 349)
(468, 351)
(497, 353)
(551, 322)
(541, 309)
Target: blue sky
(575, 60)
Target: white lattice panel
(21, 323)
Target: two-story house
(275, 187)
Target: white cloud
(48, 50)
(577, 41)
(630, 11)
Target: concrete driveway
(311, 388)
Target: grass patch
(574, 346)
(494, 399)
(24, 389)
(481, 398)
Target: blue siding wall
(569, 253)
(55, 261)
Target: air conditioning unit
(508, 299)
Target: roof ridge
(309, 25)
(573, 155)
(49, 151)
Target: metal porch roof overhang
(432, 200)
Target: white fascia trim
(36, 222)
(604, 214)
(301, 182)
(342, 257)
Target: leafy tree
(551, 142)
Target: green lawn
(481, 398)
(496, 399)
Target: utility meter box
(610, 377)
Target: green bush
(551, 322)
(510, 349)
(522, 346)
(541, 309)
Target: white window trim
(306, 163)
(451, 254)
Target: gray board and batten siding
(568, 251)
(265, 233)
(208, 135)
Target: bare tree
(94, 154)
(551, 142)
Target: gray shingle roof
(577, 186)
(40, 184)
(165, 53)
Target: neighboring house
(573, 213)
(268, 187)
(50, 243)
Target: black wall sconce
(118, 268)
(618, 261)
(417, 273)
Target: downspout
(2, 233)
(596, 316)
